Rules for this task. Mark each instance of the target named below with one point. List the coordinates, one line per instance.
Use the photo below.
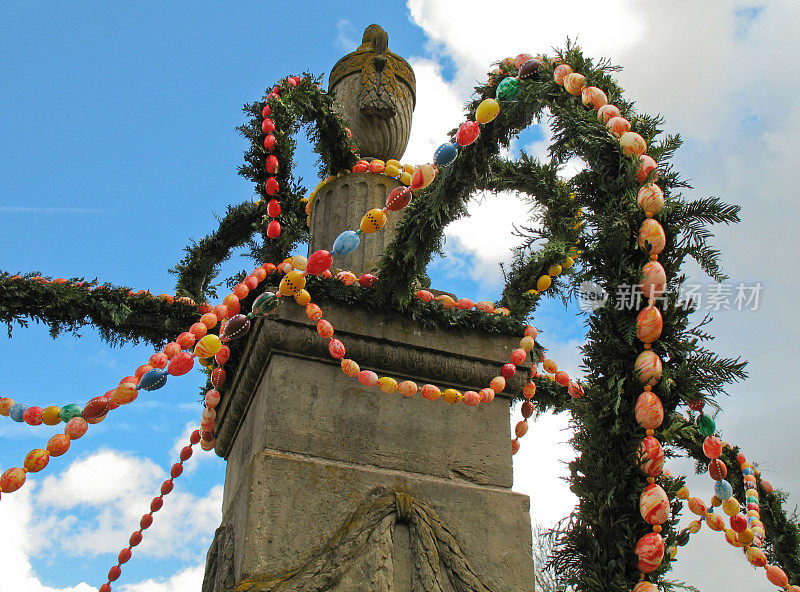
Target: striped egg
(649, 324)
(651, 456)
(649, 411)
(654, 279)
(654, 504)
(650, 198)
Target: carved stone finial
(376, 91)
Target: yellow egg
(543, 283)
(407, 168)
(487, 111)
(387, 384)
(50, 415)
(567, 263)
(299, 262)
(393, 162)
(683, 493)
(452, 396)
(302, 297)
(373, 221)
(208, 346)
(392, 171)
(554, 270)
(731, 506)
(405, 178)
(292, 283)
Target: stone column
(340, 205)
(334, 486)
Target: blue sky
(119, 144)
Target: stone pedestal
(340, 205)
(334, 486)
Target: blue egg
(16, 411)
(445, 154)
(346, 243)
(723, 489)
(153, 379)
(748, 471)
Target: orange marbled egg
(648, 367)
(649, 411)
(650, 550)
(651, 456)
(654, 504)
(652, 237)
(649, 324)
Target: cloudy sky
(120, 142)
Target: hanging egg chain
(734, 537)
(147, 520)
(648, 410)
(174, 359)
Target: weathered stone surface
(340, 205)
(310, 521)
(376, 92)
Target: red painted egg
(651, 456)
(717, 469)
(399, 198)
(269, 142)
(467, 133)
(271, 186)
(273, 208)
(654, 504)
(274, 229)
(508, 371)
(271, 164)
(650, 550)
(712, 447)
(368, 280)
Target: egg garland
(147, 519)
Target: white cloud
(188, 580)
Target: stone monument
(331, 486)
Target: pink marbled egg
(654, 504)
(367, 378)
(561, 72)
(648, 367)
(651, 456)
(521, 59)
(607, 112)
(618, 125)
(471, 398)
(649, 411)
(632, 144)
(594, 97)
(650, 198)
(650, 550)
(431, 392)
(487, 395)
(652, 238)
(654, 279)
(649, 324)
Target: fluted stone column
(340, 205)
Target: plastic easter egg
(649, 411)
(387, 384)
(33, 415)
(608, 111)
(153, 379)
(654, 504)
(507, 89)
(723, 490)
(12, 479)
(777, 576)
(651, 456)
(651, 237)
(654, 279)
(292, 283)
(717, 470)
(574, 83)
(593, 97)
(530, 70)
(731, 506)
(17, 411)
(706, 425)
(180, 364)
(76, 428)
(467, 133)
(373, 221)
(36, 460)
(407, 388)
(632, 144)
(346, 243)
(69, 411)
(208, 346)
(649, 324)
(646, 166)
(431, 392)
(561, 72)
(712, 448)
(648, 367)
(487, 110)
(367, 377)
(650, 550)
(265, 304)
(422, 176)
(399, 198)
(452, 396)
(336, 349)
(125, 393)
(650, 198)
(445, 154)
(96, 409)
